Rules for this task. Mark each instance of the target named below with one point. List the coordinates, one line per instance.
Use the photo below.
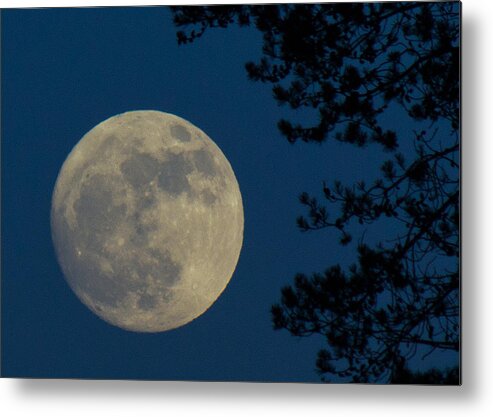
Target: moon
(147, 221)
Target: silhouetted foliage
(350, 63)
(431, 377)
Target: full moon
(147, 221)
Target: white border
(126, 398)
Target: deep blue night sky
(66, 70)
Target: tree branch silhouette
(350, 64)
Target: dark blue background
(66, 70)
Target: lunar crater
(180, 132)
(139, 169)
(172, 176)
(204, 162)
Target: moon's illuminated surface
(147, 221)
